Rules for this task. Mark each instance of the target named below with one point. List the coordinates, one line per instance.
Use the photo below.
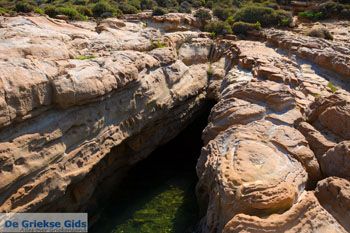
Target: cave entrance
(158, 194)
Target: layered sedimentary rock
(81, 102)
(70, 93)
(273, 136)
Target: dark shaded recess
(172, 163)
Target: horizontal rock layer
(81, 102)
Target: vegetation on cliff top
(219, 17)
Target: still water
(158, 195)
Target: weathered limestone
(334, 195)
(71, 93)
(81, 102)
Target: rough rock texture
(81, 102)
(334, 195)
(336, 161)
(72, 92)
(272, 128)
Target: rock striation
(81, 102)
(273, 137)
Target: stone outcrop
(81, 102)
(270, 138)
(334, 195)
(71, 93)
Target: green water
(172, 208)
(158, 195)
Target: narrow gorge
(264, 123)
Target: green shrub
(283, 17)
(264, 15)
(197, 3)
(147, 4)
(158, 44)
(159, 11)
(331, 86)
(218, 28)
(326, 10)
(71, 12)
(203, 14)
(3, 11)
(185, 7)
(209, 4)
(311, 15)
(135, 3)
(210, 71)
(243, 28)
(84, 10)
(320, 32)
(222, 13)
(127, 8)
(103, 9)
(85, 57)
(80, 2)
(23, 6)
(39, 11)
(51, 11)
(167, 3)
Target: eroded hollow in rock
(158, 193)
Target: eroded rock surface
(81, 102)
(273, 135)
(72, 92)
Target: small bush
(158, 44)
(80, 2)
(71, 12)
(51, 11)
(185, 7)
(197, 3)
(320, 32)
(218, 28)
(39, 11)
(243, 28)
(264, 15)
(167, 3)
(284, 18)
(85, 57)
(127, 8)
(222, 13)
(103, 9)
(210, 71)
(84, 10)
(23, 6)
(147, 4)
(332, 87)
(310, 15)
(159, 11)
(203, 14)
(3, 11)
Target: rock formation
(81, 102)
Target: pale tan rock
(336, 161)
(242, 170)
(317, 142)
(305, 216)
(63, 109)
(330, 55)
(334, 195)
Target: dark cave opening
(158, 193)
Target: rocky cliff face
(81, 102)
